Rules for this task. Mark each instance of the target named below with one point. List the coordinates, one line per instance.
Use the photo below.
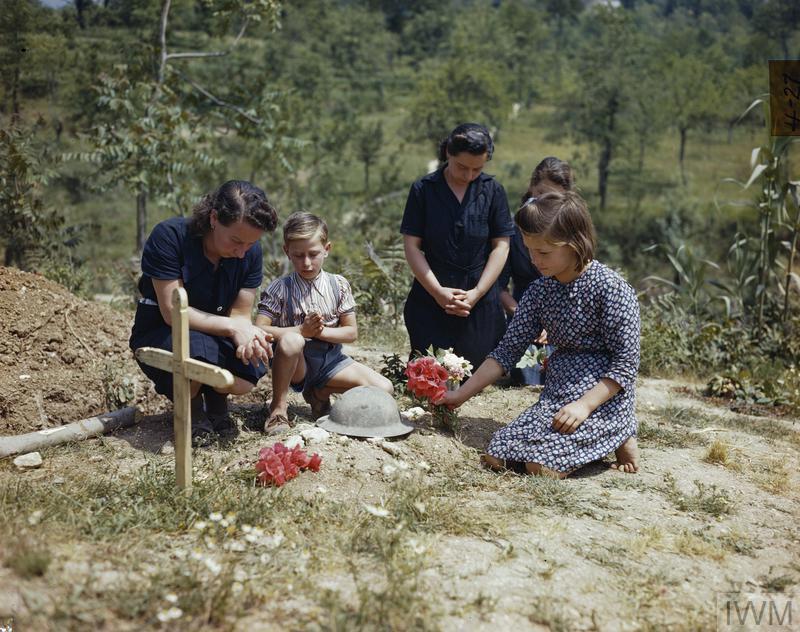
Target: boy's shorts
(323, 361)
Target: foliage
(147, 141)
(394, 369)
(382, 282)
(450, 93)
(25, 220)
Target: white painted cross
(184, 369)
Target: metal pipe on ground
(75, 431)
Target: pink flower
(278, 464)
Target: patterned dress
(593, 322)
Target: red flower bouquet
(279, 464)
(429, 379)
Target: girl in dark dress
(215, 255)
(456, 227)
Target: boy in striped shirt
(310, 313)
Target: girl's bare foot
(493, 463)
(627, 457)
(537, 469)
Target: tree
(16, 22)
(153, 142)
(691, 97)
(456, 92)
(595, 110)
(25, 221)
(369, 141)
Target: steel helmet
(365, 411)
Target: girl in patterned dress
(586, 409)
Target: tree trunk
(602, 172)
(366, 176)
(15, 96)
(682, 153)
(141, 220)
(80, 7)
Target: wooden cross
(184, 369)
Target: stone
(28, 461)
(295, 441)
(315, 435)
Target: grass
(708, 499)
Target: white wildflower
(171, 598)
(379, 512)
(201, 525)
(420, 506)
(170, 615)
(35, 517)
(235, 545)
(215, 516)
(212, 565)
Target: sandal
(277, 423)
(319, 407)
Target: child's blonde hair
(561, 219)
(304, 225)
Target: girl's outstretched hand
(567, 420)
(451, 399)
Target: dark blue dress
(519, 268)
(593, 322)
(456, 239)
(172, 252)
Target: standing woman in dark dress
(456, 228)
(215, 255)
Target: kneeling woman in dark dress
(456, 227)
(216, 256)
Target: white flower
(456, 366)
(170, 615)
(200, 525)
(35, 517)
(235, 545)
(212, 565)
(171, 598)
(215, 516)
(413, 413)
(379, 512)
(236, 588)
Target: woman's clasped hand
(253, 344)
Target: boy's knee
(385, 385)
(291, 343)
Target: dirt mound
(61, 358)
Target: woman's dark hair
(470, 137)
(561, 219)
(234, 201)
(554, 170)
